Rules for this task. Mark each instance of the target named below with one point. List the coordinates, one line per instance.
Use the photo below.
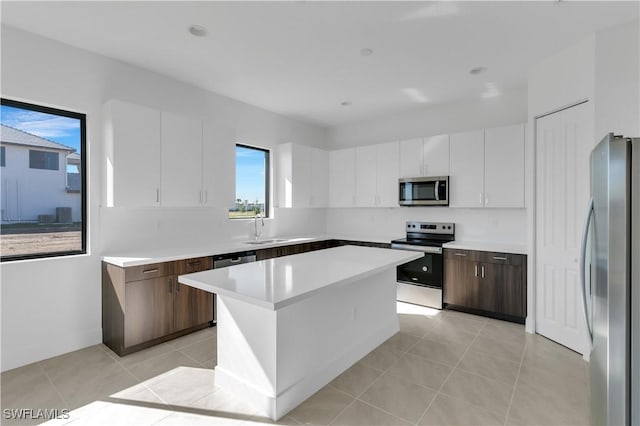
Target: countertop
(146, 257)
(275, 283)
(487, 246)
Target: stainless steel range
(420, 281)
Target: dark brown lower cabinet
(138, 313)
(486, 283)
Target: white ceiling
(302, 59)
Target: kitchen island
(288, 326)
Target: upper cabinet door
(436, 156)
(466, 181)
(504, 166)
(132, 142)
(366, 171)
(319, 177)
(181, 160)
(218, 166)
(388, 161)
(411, 158)
(301, 176)
(342, 178)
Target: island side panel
(321, 337)
(277, 359)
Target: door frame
(532, 290)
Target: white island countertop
(275, 283)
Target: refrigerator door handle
(583, 261)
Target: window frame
(3, 156)
(82, 118)
(267, 179)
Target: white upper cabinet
(435, 155)
(301, 176)
(132, 142)
(411, 158)
(218, 166)
(504, 166)
(377, 175)
(164, 159)
(366, 172)
(319, 177)
(342, 178)
(466, 181)
(487, 168)
(388, 172)
(181, 142)
(424, 157)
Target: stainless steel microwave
(424, 191)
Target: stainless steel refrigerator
(611, 281)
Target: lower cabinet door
(511, 297)
(459, 282)
(484, 293)
(148, 309)
(191, 307)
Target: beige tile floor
(442, 368)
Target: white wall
(504, 225)
(510, 108)
(617, 80)
(53, 306)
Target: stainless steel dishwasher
(230, 259)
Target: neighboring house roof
(19, 137)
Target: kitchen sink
(258, 242)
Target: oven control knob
(425, 269)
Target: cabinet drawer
(500, 258)
(188, 266)
(460, 254)
(143, 272)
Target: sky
(250, 174)
(55, 128)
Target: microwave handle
(436, 190)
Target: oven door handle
(435, 190)
(424, 249)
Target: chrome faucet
(255, 225)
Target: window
(43, 160)
(252, 182)
(3, 161)
(43, 213)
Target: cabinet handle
(200, 201)
(499, 258)
(206, 198)
(177, 287)
(150, 271)
(170, 285)
(194, 262)
(483, 272)
(476, 273)
(157, 195)
(481, 198)
(461, 254)
(486, 200)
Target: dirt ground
(19, 244)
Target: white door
(504, 166)
(466, 168)
(563, 143)
(436, 156)
(133, 163)
(366, 171)
(411, 158)
(388, 172)
(181, 147)
(342, 177)
(218, 166)
(319, 177)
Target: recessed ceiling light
(477, 70)
(366, 51)
(198, 30)
(345, 103)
